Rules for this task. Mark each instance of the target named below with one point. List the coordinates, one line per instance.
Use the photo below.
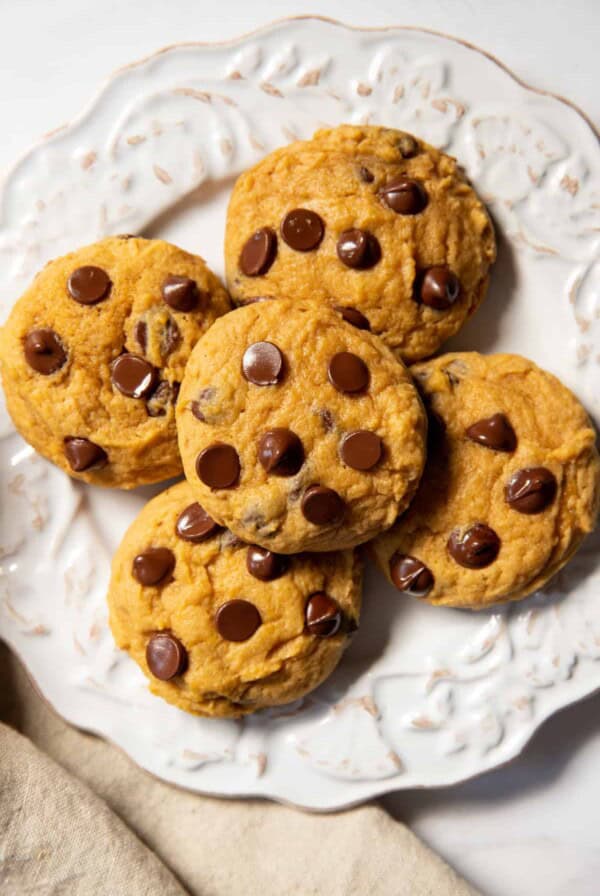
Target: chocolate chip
(327, 420)
(166, 656)
(348, 373)
(82, 454)
(164, 395)
(410, 575)
(262, 364)
(89, 285)
(358, 249)
(264, 564)
(237, 620)
(365, 175)
(218, 466)
(170, 338)
(196, 409)
(404, 196)
(180, 293)
(322, 614)
(353, 316)
(408, 146)
(361, 449)
(280, 452)
(133, 375)
(475, 548)
(44, 351)
(154, 566)
(194, 524)
(493, 432)
(438, 287)
(302, 229)
(205, 395)
(259, 252)
(141, 334)
(531, 490)
(322, 506)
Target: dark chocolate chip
(237, 620)
(358, 249)
(218, 466)
(280, 452)
(365, 175)
(194, 524)
(408, 146)
(475, 548)
(531, 490)
(404, 196)
(348, 373)
(410, 575)
(259, 252)
(438, 287)
(44, 351)
(133, 375)
(141, 334)
(264, 564)
(262, 364)
(154, 566)
(180, 293)
(322, 614)
(353, 316)
(170, 338)
(82, 454)
(361, 449)
(166, 656)
(327, 419)
(164, 395)
(205, 395)
(302, 229)
(89, 285)
(322, 506)
(493, 432)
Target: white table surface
(530, 828)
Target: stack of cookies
(299, 429)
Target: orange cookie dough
(374, 221)
(93, 353)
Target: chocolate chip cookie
(93, 354)
(511, 485)
(372, 220)
(223, 628)
(297, 430)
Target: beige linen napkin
(59, 835)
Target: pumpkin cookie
(94, 352)
(222, 628)
(298, 431)
(372, 220)
(511, 486)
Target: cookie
(222, 628)
(372, 220)
(511, 485)
(94, 352)
(297, 430)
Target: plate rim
(377, 788)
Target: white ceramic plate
(424, 696)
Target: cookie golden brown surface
(93, 353)
(511, 485)
(221, 628)
(297, 430)
(368, 219)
